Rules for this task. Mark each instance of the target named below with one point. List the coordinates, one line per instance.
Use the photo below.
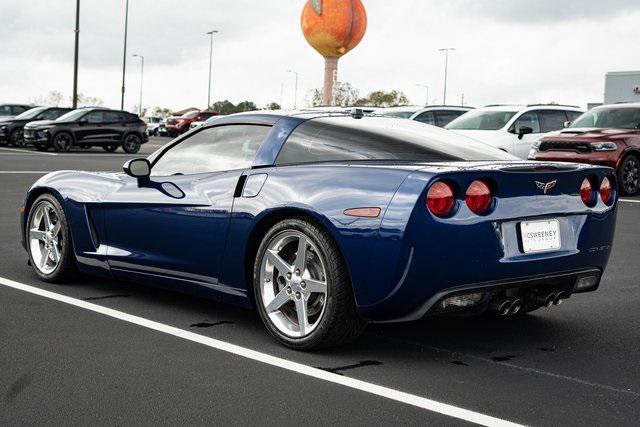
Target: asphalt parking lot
(60, 363)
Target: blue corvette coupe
(325, 221)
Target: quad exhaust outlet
(505, 306)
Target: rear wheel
(48, 239)
(17, 138)
(131, 144)
(629, 175)
(110, 148)
(302, 288)
(62, 142)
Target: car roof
(519, 108)
(619, 105)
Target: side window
(19, 110)
(552, 120)
(94, 117)
(112, 117)
(573, 115)
(48, 115)
(529, 119)
(5, 110)
(212, 150)
(426, 117)
(443, 118)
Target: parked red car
(607, 135)
(179, 125)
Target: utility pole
(135, 55)
(427, 88)
(446, 51)
(295, 91)
(210, 33)
(462, 99)
(124, 54)
(74, 96)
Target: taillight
(440, 199)
(478, 197)
(606, 191)
(586, 192)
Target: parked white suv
(513, 128)
(153, 124)
(436, 115)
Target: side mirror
(567, 124)
(138, 168)
(524, 130)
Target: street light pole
(210, 33)
(426, 87)
(295, 91)
(74, 96)
(135, 55)
(124, 54)
(446, 51)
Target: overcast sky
(508, 51)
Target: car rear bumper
(605, 158)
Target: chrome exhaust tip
(550, 300)
(560, 298)
(516, 306)
(501, 306)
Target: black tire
(131, 143)
(62, 142)
(340, 322)
(42, 147)
(66, 268)
(629, 175)
(17, 138)
(155, 132)
(110, 148)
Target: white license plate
(540, 236)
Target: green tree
(161, 111)
(345, 95)
(89, 101)
(246, 106)
(273, 106)
(224, 107)
(381, 98)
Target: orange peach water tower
(333, 28)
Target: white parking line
(386, 392)
(27, 152)
(629, 200)
(25, 172)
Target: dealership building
(622, 86)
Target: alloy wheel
(46, 241)
(293, 283)
(17, 138)
(131, 144)
(630, 175)
(62, 142)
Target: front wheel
(131, 144)
(629, 175)
(62, 142)
(302, 287)
(48, 239)
(17, 138)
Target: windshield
(30, 114)
(190, 115)
(617, 118)
(71, 115)
(482, 120)
(397, 114)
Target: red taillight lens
(440, 199)
(606, 191)
(586, 192)
(478, 197)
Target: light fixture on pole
(124, 54)
(135, 55)
(295, 91)
(446, 51)
(427, 88)
(210, 33)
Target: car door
(522, 143)
(89, 128)
(114, 126)
(175, 227)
